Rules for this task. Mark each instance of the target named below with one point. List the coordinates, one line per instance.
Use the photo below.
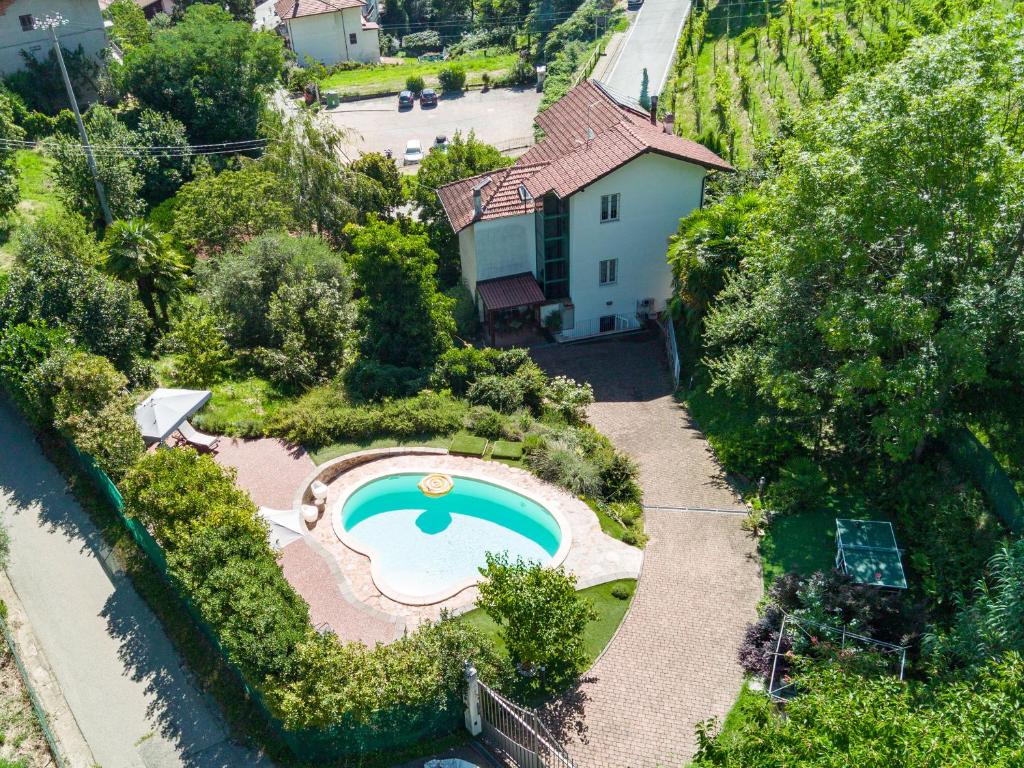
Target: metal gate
(519, 733)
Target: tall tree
(209, 71)
(403, 319)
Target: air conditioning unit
(645, 308)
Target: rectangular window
(351, 38)
(27, 22)
(610, 207)
(609, 269)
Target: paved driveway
(673, 661)
(499, 117)
(132, 698)
(651, 43)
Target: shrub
(418, 42)
(522, 387)
(757, 650)
(92, 405)
(622, 592)
(452, 78)
(562, 463)
(196, 338)
(459, 367)
(468, 445)
(467, 320)
(415, 84)
(486, 422)
(542, 618)
(24, 348)
(569, 398)
(801, 484)
(522, 73)
(368, 380)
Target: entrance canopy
(160, 414)
(867, 551)
(510, 292)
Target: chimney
(478, 205)
(669, 123)
(654, 110)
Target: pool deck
(593, 557)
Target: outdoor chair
(194, 437)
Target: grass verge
(610, 612)
(388, 78)
(37, 195)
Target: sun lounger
(194, 437)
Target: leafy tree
(40, 84)
(841, 718)
(55, 285)
(465, 157)
(991, 622)
(137, 253)
(874, 306)
(130, 27)
(541, 616)
(311, 320)
(196, 338)
(324, 193)
(216, 211)
(10, 192)
(403, 319)
(384, 171)
(93, 406)
(61, 234)
(208, 71)
(240, 284)
(24, 348)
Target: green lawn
(387, 78)
(239, 408)
(610, 611)
(334, 450)
(37, 195)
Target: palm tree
(138, 253)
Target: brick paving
(268, 468)
(673, 661)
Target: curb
(72, 748)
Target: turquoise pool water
(423, 547)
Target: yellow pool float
(436, 485)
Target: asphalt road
(650, 43)
(498, 117)
(126, 685)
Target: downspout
(344, 36)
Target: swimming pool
(423, 549)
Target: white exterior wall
(84, 28)
(506, 246)
(655, 192)
(325, 38)
(467, 258)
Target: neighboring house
(579, 225)
(18, 33)
(329, 32)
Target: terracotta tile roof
(510, 292)
(587, 135)
(294, 9)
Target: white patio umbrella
(163, 411)
(284, 526)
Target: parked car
(413, 152)
(405, 100)
(428, 98)
(440, 144)
(634, 5)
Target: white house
(18, 29)
(579, 225)
(329, 32)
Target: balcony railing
(592, 327)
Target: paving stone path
(673, 661)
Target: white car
(413, 152)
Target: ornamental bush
(415, 84)
(542, 618)
(452, 78)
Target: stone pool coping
(594, 557)
(470, 473)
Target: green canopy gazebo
(867, 551)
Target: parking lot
(502, 116)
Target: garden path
(673, 661)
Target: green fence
(977, 463)
(37, 707)
(386, 731)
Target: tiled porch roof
(510, 292)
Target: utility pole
(51, 23)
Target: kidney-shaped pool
(424, 549)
